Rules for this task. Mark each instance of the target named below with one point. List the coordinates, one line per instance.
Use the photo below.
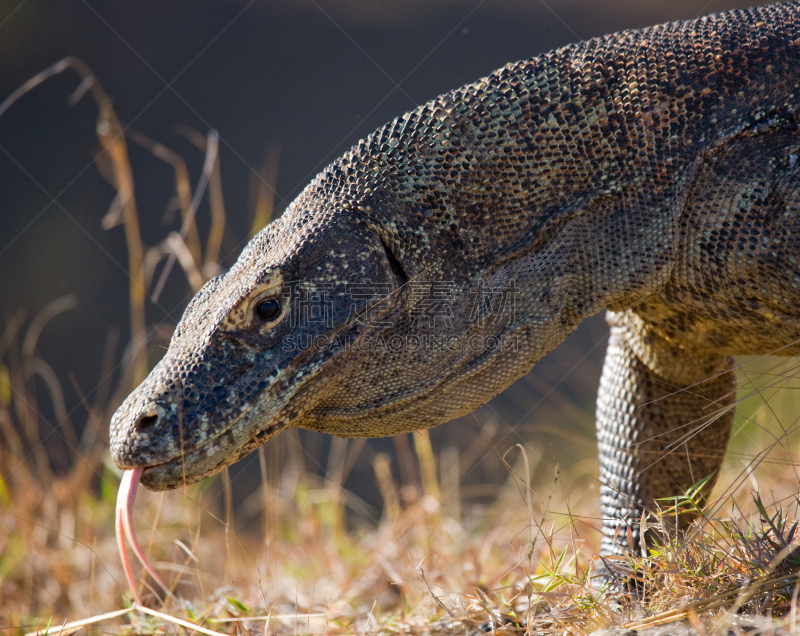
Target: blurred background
(289, 85)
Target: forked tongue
(125, 530)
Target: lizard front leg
(664, 416)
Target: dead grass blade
(183, 188)
(178, 621)
(74, 626)
(212, 150)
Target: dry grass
(320, 561)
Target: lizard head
(246, 358)
(359, 312)
(323, 323)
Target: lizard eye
(268, 309)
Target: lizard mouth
(184, 467)
(204, 461)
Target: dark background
(306, 77)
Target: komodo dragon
(650, 173)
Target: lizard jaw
(205, 461)
(239, 437)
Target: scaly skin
(652, 173)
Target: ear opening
(397, 268)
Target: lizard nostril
(146, 421)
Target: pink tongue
(124, 524)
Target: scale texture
(650, 173)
